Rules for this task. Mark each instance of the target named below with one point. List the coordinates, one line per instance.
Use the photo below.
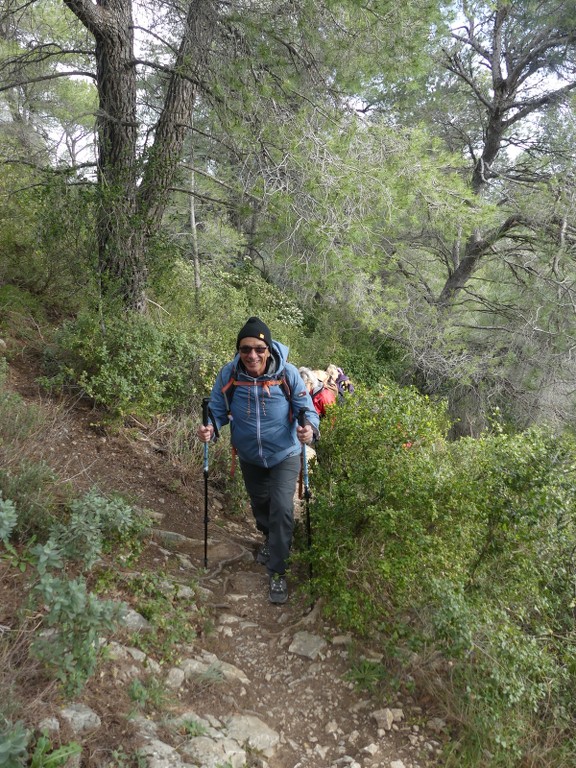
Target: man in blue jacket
(260, 395)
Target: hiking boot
(263, 554)
(278, 589)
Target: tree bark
(131, 212)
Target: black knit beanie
(257, 330)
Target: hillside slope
(265, 685)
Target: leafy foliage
(75, 620)
(466, 550)
(128, 364)
(14, 738)
(8, 519)
(45, 756)
(19, 748)
(96, 523)
(235, 285)
(27, 484)
(46, 248)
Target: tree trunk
(129, 213)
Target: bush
(31, 487)
(243, 292)
(97, 523)
(336, 337)
(365, 497)
(466, 554)
(76, 620)
(47, 244)
(26, 483)
(129, 364)
(14, 738)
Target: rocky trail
(260, 685)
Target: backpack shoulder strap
(230, 387)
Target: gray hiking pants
(271, 492)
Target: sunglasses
(245, 350)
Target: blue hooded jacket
(262, 420)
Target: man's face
(254, 355)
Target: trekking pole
(302, 423)
(205, 402)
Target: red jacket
(321, 398)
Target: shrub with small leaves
(14, 738)
(97, 523)
(467, 556)
(128, 364)
(75, 620)
(8, 518)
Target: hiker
(321, 395)
(324, 379)
(260, 395)
(338, 379)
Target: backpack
(331, 385)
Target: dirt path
(294, 667)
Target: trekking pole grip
(302, 417)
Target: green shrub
(369, 496)
(243, 292)
(75, 620)
(30, 485)
(98, 523)
(337, 338)
(14, 738)
(8, 519)
(128, 364)
(46, 241)
(466, 553)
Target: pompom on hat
(255, 329)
